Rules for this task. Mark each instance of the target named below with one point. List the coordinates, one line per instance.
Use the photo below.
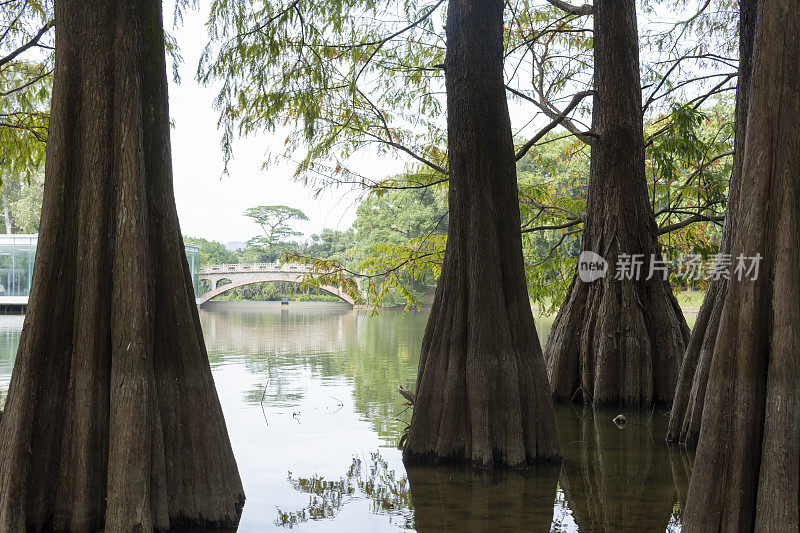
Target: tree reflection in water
(435, 499)
(617, 479)
(611, 479)
(387, 493)
(461, 499)
(682, 461)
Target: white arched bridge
(223, 278)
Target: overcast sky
(211, 205)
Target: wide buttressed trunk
(748, 453)
(112, 419)
(482, 393)
(687, 407)
(617, 341)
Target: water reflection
(375, 355)
(435, 499)
(682, 461)
(617, 479)
(461, 499)
(373, 480)
(311, 404)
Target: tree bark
(482, 392)
(112, 419)
(748, 453)
(617, 341)
(687, 407)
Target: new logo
(591, 267)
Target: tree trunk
(687, 408)
(482, 392)
(112, 420)
(617, 341)
(6, 213)
(748, 453)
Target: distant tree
(22, 202)
(275, 221)
(331, 244)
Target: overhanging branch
(689, 221)
(30, 44)
(585, 9)
(556, 121)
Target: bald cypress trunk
(617, 341)
(687, 408)
(482, 394)
(748, 453)
(112, 420)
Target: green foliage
(25, 80)
(212, 252)
(552, 182)
(331, 244)
(343, 74)
(401, 236)
(24, 202)
(688, 168)
(398, 249)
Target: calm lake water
(311, 403)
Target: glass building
(16, 264)
(17, 252)
(193, 257)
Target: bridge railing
(237, 268)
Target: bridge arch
(262, 277)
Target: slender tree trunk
(482, 392)
(748, 453)
(687, 408)
(617, 340)
(112, 420)
(6, 214)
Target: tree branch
(585, 9)
(586, 136)
(555, 226)
(689, 221)
(30, 44)
(556, 120)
